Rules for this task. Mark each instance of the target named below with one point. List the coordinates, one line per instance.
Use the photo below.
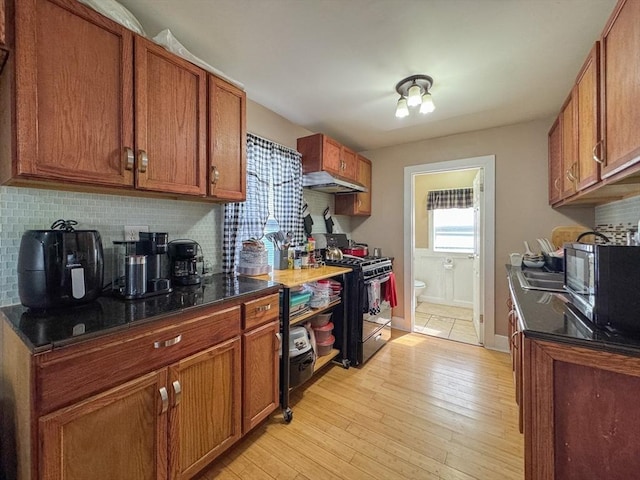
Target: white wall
(448, 277)
(522, 210)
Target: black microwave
(603, 282)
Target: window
(274, 189)
(452, 230)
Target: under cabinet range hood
(325, 182)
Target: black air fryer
(59, 268)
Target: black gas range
(368, 313)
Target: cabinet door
(587, 125)
(320, 153)
(204, 419)
(331, 159)
(3, 29)
(580, 413)
(121, 433)
(170, 122)
(620, 88)
(227, 141)
(364, 177)
(357, 203)
(555, 162)
(569, 161)
(260, 378)
(74, 109)
(349, 165)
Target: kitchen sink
(541, 280)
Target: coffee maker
(139, 267)
(183, 256)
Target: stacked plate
(533, 261)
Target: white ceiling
(331, 66)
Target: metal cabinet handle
(129, 157)
(513, 339)
(164, 396)
(177, 390)
(596, 158)
(555, 184)
(168, 343)
(144, 161)
(263, 308)
(570, 175)
(215, 175)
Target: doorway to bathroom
(450, 249)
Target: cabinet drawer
(261, 311)
(68, 375)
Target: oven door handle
(380, 279)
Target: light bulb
(427, 104)
(402, 110)
(414, 97)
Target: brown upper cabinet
(569, 159)
(3, 26)
(600, 162)
(357, 203)
(227, 141)
(4, 52)
(73, 95)
(555, 161)
(587, 95)
(562, 154)
(620, 88)
(170, 121)
(349, 164)
(97, 106)
(322, 153)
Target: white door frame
(487, 163)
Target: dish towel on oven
(373, 292)
(390, 294)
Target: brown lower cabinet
(157, 401)
(581, 416)
(76, 440)
(261, 361)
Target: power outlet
(132, 234)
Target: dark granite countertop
(42, 331)
(549, 316)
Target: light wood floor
(421, 408)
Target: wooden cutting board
(560, 235)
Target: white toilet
(418, 287)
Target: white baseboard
(500, 343)
(440, 301)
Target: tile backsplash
(616, 218)
(317, 202)
(36, 209)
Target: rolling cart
(289, 279)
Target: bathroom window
(452, 230)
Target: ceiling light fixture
(414, 91)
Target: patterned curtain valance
(453, 198)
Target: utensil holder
(281, 259)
